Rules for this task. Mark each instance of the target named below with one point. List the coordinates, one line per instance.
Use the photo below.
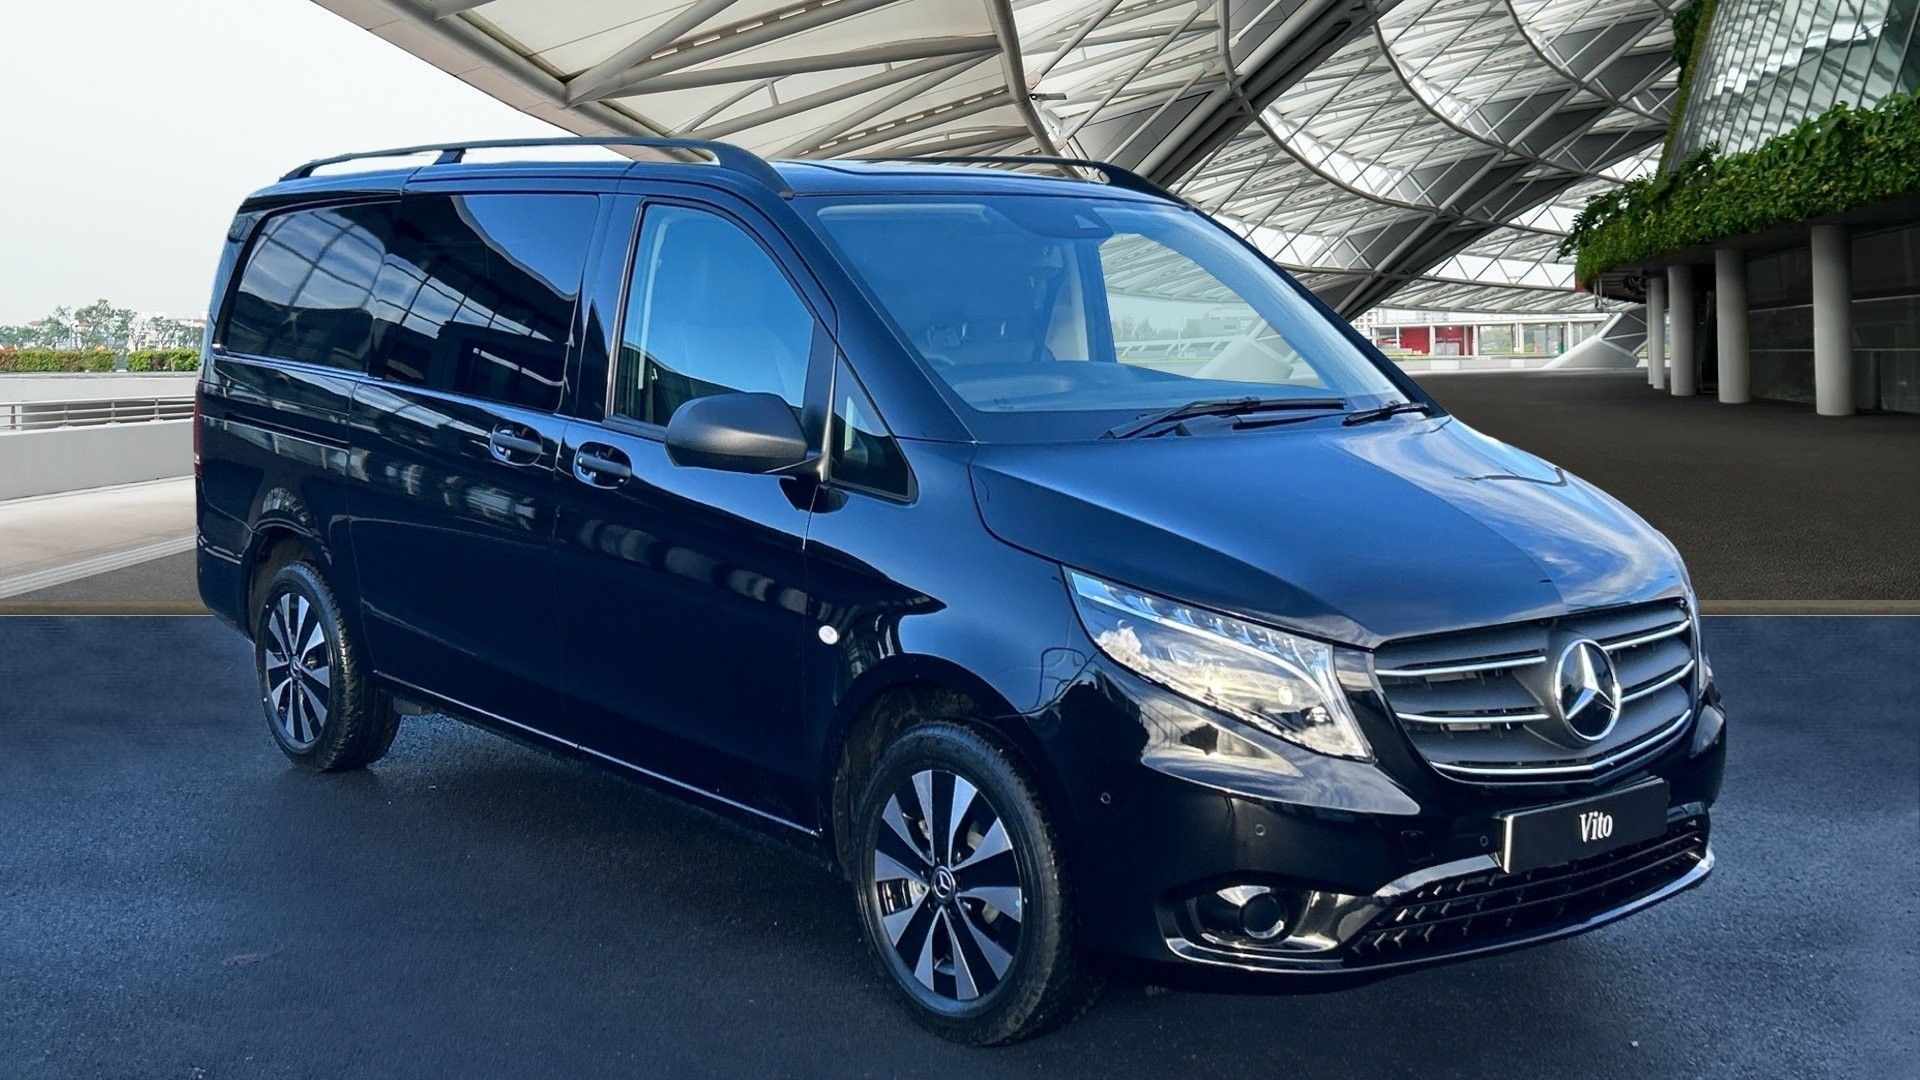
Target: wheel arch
(901, 693)
(283, 531)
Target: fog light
(1243, 913)
(1263, 917)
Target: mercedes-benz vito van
(1028, 547)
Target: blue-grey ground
(174, 897)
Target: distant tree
(22, 337)
(161, 332)
(99, 325)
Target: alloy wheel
(946, 883)
(298, 670)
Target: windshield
(1053, 316)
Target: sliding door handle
(601, 466)
(511, 447)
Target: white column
(1730, 319)
(1832, 321)
(1682, 378)
(1657, 331)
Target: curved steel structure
(1429, 150)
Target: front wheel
(962, 892)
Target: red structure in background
(1452, 341)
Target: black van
(1026, 546)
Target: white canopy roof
(1429, 150)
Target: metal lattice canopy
(1429, 150)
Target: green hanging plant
(1690, 26)
(1841, 160)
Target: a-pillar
(1832, 321)
(1682, 378)
(1730, 318)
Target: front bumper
(1471, 908)
(1381, 866)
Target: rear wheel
(962, 892)
(319, 707)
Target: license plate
(1551, 835)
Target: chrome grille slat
(1459, 669)
(1464, 699)
(1647, 663)
(1467, 719)
(1662, 683)
(1656, 741)
(1617, 644)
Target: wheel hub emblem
(943, 884)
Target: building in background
(1823, 311)
(1431, 152)
(1428, 340)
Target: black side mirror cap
(738, 432)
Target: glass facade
(1769, 64)
(1766, 66)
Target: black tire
(319, 706)
(938, 935)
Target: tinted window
(708, 311)
(306, 292)
(864, 453)
(1056, 317)
(478, 292)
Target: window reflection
(306, 293)
(471, 294)
(479, 291)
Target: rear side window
(307, 290)
(479, 293)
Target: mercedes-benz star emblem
(1586, 690)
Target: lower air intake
(1485, 909)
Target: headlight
(1279, 683)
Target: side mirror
(738, 432)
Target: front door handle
(598, 465)
(511, 447)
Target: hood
(1358, 535)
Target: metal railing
(44, 415)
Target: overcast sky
(131, 129)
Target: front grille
(1488, 908)
(1472, 703)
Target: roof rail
(725, 155)
(1115, 175)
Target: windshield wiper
(1216, 407)
(1367, 416)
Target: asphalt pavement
(1778, 511)
(176, 901)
